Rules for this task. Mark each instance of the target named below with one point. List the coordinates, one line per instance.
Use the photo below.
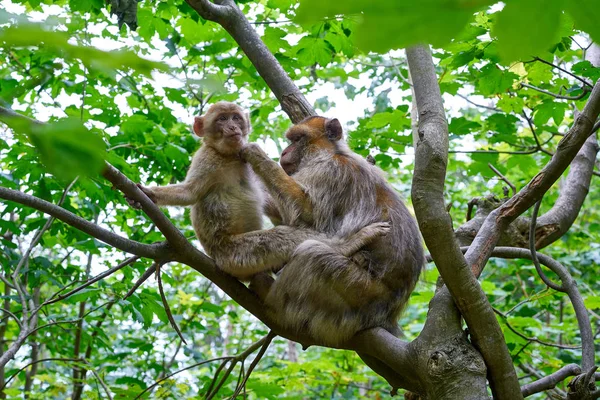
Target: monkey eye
(236, 117)
(223, 118)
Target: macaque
(323, 185)
(228, 201)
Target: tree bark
(229, 16)
(436, 226)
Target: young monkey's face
(224, 128)
(232, 128)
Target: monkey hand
(378, 229)
(252, 152)
(147, 191)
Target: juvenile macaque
(324, 185)
(228, 201)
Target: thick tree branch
(436, 226)
(106, 236)
(174, 237)
(228, 15)
(499, 219)
(550, 381)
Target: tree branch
(580, 79)
(104, 235)
(174, 237)
(550, 381)
(435, 223)
(241, 30)
(586, 90)
(555, 222)
(570, 287)
(499, 219)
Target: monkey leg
(260, 284)
(327, 295)
(247, 254)
(348, 246)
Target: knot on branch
(514, 236)
(583, 386)
(456, 357)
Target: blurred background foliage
(129, 97)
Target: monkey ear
(199, 126)
(334, 130)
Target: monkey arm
(270, 209)
(281, 186)
(180, 194)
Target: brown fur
(228, 201)
(334, 191)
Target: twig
(255, 362)
(535, 136)
(6, 311)
(532, 248)
(95, 279)
(147, 274)
(166, 303)
(565, 71)
(472, 203)
(465, 98)
(98, 379)
(158, 382)
(570, 285)
(106, 236)
(217, 372)
(532, 339)
(509, 183)
(234, 361)
(558, 96)
(63, 360)
(520, 152)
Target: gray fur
(227, 202)
(321, 291)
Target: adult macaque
(227, 202)
(325, 186)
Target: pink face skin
(224, 128)
(232, 125)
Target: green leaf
(26, 35)
(502, 123)
(493, 80)
(313, 50)
(480, 163)
(526, 27)
(592, 302)
(66, 147)
(585, 68)
(265, 390)
(462, 126)
(511, 104)
(548, 110)
(85, 294)
(387, 25)
(586, 15)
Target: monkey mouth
(234, 135)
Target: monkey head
(309, 137)
(224, 127)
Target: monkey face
(231, 126)
(308, 136)
(224, 127)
